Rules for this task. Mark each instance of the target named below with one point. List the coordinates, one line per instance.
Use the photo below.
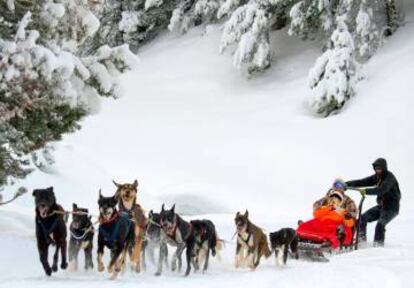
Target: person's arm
(383, 188)
(365, 182)
(351, 208)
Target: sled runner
(319, 238)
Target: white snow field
(196, 132)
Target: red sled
(318, 237)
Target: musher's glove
(362, 191)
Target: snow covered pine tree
(45, 82)
(134, 22)
(333, 77)
(193, 13)
(354, 29)
(248, 28)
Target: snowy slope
(195, 132)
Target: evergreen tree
(311, 17)
(134, 22)
(248, 28)
(45, 81)
(333, 77)
(190, 13)
(366, 33)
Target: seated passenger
(332, 222)
(347, 203)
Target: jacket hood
(338, 195)
(381, 163)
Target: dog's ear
(34, 193)
(150, 213)
(74, 206)
(173, 208)
(100, 194)
(246, 214)
(135, 183)
(237, 214)
(50, 189)
(162, 207)
(116, 184)
(90, 217)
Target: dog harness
(151, 222)
(47, 227)
(173, 230)
(110, 229)
(82, 236)
(249, 236)
(133, 212)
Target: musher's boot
(378, 244)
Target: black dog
(116, 231)
(153, 239)
(176, 232)
(281, 241)
(50, 229)
(81, 237)
(205, 240)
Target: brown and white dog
(251, 242)
(126, 194)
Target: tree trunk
(392, 17)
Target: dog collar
(112, 219)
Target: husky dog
(281, 242)
(205, 241)
(153, 239)
(50, 229)
(81, 237)
(116, 232)
(251, 242)
(126, 195)
(176, 232)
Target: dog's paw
(64, 265)
(110, 269)
(101, 267)
(48, 271)
(54, 268)
(173, 266)
(138, 269)
(113, 276)
(158, 273)
(89, 266)
(72, 266)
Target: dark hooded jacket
(386, 187)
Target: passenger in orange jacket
(331, 223)
(333, 211)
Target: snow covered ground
(196, 132)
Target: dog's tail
(265, 248)
(219, 243)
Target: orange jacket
(326, 213)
